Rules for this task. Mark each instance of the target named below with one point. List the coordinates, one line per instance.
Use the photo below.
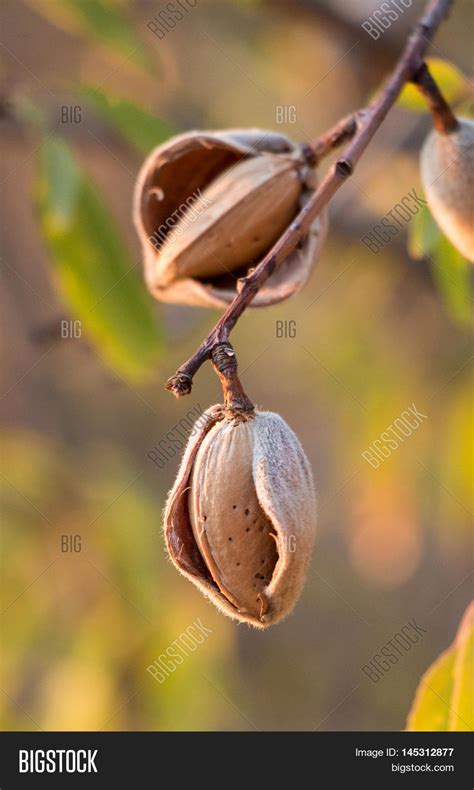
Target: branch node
(224, 362)
(309, 154)
(224, 359)
(180, 384)
(344, 167)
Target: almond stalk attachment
(240, 519)
(209, 205)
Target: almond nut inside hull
(237, 218)
(232, 532)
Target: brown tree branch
(343, 130)
(361, 126)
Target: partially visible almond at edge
(447, 172)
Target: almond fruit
(447, 172)
(240, 519)
(209, 205)
(247, 208)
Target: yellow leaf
(444, 698)
(462, 711)
(430, 709)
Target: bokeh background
(375, 333)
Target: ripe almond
(245, 210)
(256, 181)
(447, 172)
(240, 519)
(233, 534)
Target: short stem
(444, 119)
(224, 363)
(343, 130)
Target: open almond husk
(240, 520)
(209, 205)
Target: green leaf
(423, 234)
(92, 270)
(444, 698)
(139, 127)
(454, 86)
(101, 19)
(451, 271)
(30, 112)
(452, 275)
(64, 183)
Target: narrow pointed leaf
(423, 233)
(92, 271)
(451, 272)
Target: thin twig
(343, 130)
(362, 126)
(444, 119)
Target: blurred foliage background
(374, 335)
